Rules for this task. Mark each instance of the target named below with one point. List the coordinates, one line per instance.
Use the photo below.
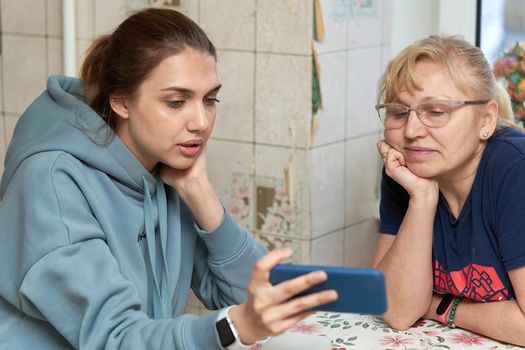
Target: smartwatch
(228, 336)
(444, 304)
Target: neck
(456, 185)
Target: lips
(190, 148)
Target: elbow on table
(400, 321)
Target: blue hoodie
(96, 253)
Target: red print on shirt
(474, 281)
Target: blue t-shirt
(473, 253)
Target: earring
(485, 133)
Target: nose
(199, 119)
(413, 126)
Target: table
(365, 332)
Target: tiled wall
(314, 190)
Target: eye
(435, 109)
(211, 101)
(175, 104)
(396, 111)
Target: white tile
(54, 17)
(282, 191)
(28, 79)
(23, 16)
(235, 112)
(54, 56)
(285, 26)
(230, 168)
(363, 72)
(327, 188)
(386, 56)
(331, 118)
(328, 249)
(362, 172)
(386, 22)
(283, 99)
(335, 29)
(359, 243)
(364, 23)
(108, 15)
(230, 24)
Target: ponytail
(95, 75)
(506, 115)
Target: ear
(119, 105)
(489, 120)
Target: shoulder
(504, 150)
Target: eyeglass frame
(451, 103)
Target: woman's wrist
(244, 328)
(201, 199)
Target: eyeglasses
(434, 113)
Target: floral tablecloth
(365, 332)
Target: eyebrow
(187, 91)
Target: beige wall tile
(54, 56)
(230, 167)
(282, 206)
(1, 82)
(10, 121)
(108, 15)
(328, 249)
(230, 24)
(23, 16)
(3, 144)
(300, 247)
(363, 72)
(284, 26)
(362, 172)
(84, 10)
(54, 17)
(327, 185)
(235, 112)
(331, 118)
(283, 99)
(24, 71)
(359, 243)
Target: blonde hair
(466, 64)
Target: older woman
(452, 241)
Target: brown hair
(121, 61)
(466, 64)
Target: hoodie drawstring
(162, 304)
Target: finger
(298, 305)
(288, 289)
(283, 325)
(261, 270)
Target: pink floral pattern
(365, 332)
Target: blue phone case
(360, 290)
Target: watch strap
(228, 335)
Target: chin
(422, 170)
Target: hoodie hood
(60, 120)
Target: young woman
(107, 217)
(452, 241)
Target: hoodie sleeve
(223, 263)
(75, 285)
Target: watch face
(445, 302)
(226, 335)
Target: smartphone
(360, 290)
